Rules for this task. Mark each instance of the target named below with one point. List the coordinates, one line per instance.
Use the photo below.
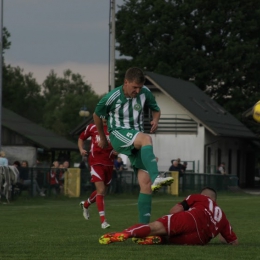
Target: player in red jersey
(194, 221)
(101, 162)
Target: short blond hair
(2, 153)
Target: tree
(64, 98)
(22, 94)
(215, 44)
(6, 42)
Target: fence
(127, 181)
(196, 181)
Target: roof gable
(214, 117)
(35, 133)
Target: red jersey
(215, 220)
(98, 155)
(52, 177)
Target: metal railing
(126, 181)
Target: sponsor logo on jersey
(119, 101)
(137, 107)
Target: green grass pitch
(54, 228)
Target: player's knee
(101, 190)
(146, 139)
(145, 187)
(157, 228)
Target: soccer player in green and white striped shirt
(123, 108)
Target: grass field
(54, 228)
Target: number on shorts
(130, 135)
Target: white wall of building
(185, 147)
(20, 153)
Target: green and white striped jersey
(125, 113)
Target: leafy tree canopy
(215, 44)
(65, 97)
(55, 105)
(21, 93)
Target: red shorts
(101, 172)
(184, 229)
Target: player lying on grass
(194, 221)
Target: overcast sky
(60, 35)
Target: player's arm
(81, 147)
(99, 124)
(177, 208)
(82, 137)
(227, 235)
(182, 206)
(224, 241)
(152, 104)
(154, 123)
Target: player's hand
(177, 208)
(83, 152)
(115, 152)
(154, 125)
(103, 143)
(222, 239)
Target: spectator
(66, 165)
(84, 170)
(179, 163)
(175, 166)
(114, 181)
(53, 177)
(17, 164)
(39, 172)
(221, 169)
(61, 176)
(117, 175)
(26, 181)
(184, 167)
(16, 188)
(119, 164)
(84, 163)
(3, 160)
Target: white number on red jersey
(216, 211)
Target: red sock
(101, 207)
(91, 199)
(138, 230)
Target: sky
(58, 35)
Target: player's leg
(102, 176)
(92, 198)
(145, 197)
(144, 143)
(183, 228)
(101, 190)
(138, 145)
(137, 229)
(145, 234)
(155, 235)
(85, 204)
